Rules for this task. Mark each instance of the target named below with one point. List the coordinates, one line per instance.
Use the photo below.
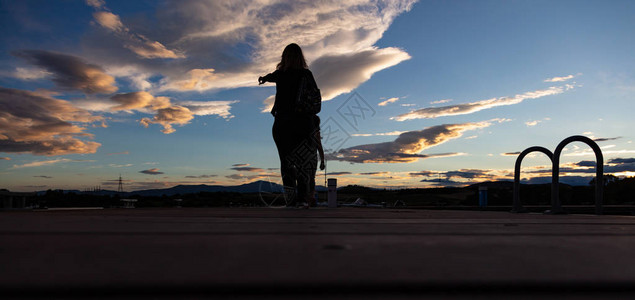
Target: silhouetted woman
(292, 131)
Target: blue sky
(166, 93)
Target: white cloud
(138, 79)
(441, 101)
(206, 108)
(386, 102)
(591, 153)
(559, 78)
(94, 104)
(379, 134)
(268, 104)
(31, 74)
(468, 108)
(338, 74)
(532, 123)
(48, 162)
(41, 163)
(230, 43)
(120, 166)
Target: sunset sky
(416, 94)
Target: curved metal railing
(518, 207)
(556, 205)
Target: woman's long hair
(292, 58)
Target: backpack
(309, 99)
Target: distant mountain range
(259, 186)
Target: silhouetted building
(14, 200)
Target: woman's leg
(305, 159)
(282, 136)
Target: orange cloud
(109, 20)
(406, 147)
(137, 43)
(95, 3)
(139, 100)
(168, 116)
(167, 113)
(152, 49)
(42, 125)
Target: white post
(332, 196)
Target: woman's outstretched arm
(271, 77)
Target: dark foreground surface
(343, 253)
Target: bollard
(332, 196)
(482, 196)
